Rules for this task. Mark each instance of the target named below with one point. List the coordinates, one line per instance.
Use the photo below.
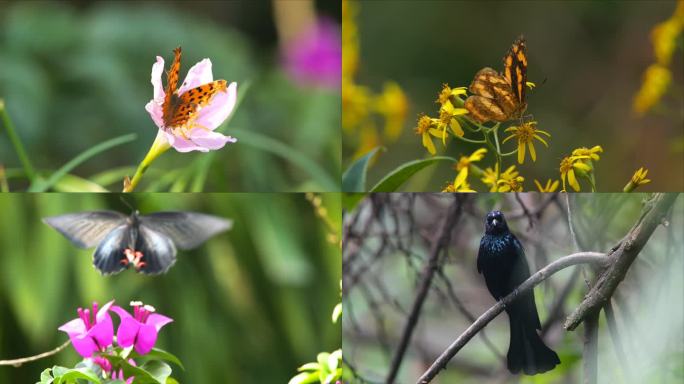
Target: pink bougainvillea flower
(89, 335)
(315, 56)
(188, 116)
(106, 367)
(141, 329)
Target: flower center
(526, 132)
(424, 123)
(141, 312)
(566, 165)
(84, 314)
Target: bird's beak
(494, 222)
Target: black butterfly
(147, 242)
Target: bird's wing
(520, 273)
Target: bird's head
(495, 223)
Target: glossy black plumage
(501, 260)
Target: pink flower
(89, 336)
(197, 134)
(315, 56)
(141, 329)
(106, 366)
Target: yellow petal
(521, 152)
(508, 138)
(539, 187)
(459, 111)
(533, 154)
(542, 140)
(427, 143)
(573, 181)
(461, 177)
(436, 132)
(553, 186)
(456, 128)
(583, 166)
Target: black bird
(502, 262)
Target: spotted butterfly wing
(178, 110)
(148, 243)
(187, 104)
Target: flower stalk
(159, 146)
(16, 142)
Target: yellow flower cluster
(447, 119)
(579, 163)
(359, 103)
(658, 77)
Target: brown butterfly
(180, 110)
(500, 96)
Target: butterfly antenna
(126, 203)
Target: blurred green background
(249, 306)
(76, 73)
(586, 57)
(384, 260)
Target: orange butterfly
(500, 96)
(181, 110)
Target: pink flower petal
(183, 145)
(103, 331)
(73, 327)
(84, 345)
(121, 312)
(158, 321)
(146, 338)
(156, 113)
(209, 140)
(127, 332)
(218, 110)
(102, 312)
(199, 74)
(157, 70)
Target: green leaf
(72, 183)
(160, 354)
(354, 178)
(304, 378)
(46, 377)
(71, 375)
(158, 369)
(42, 186)
(350, 200)
(290, 154)
(393, 180)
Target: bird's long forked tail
(527, 351)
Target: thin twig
(617, 342)
(541, 275)
(429, 270)
(19, 362)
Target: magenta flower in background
(197, 132)
(141, 329)
(315, 57)
(89, 335)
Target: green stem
(511, 153)
(159, 146)
(4, 185)
(470, 140)
(495, 131)
(16, 142)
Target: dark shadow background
(76, 73)
(249, 306)
(587, 58)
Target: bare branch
(653, 213)
(19, 362)
(541, 275)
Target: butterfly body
(147, 242)
(500, 96)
